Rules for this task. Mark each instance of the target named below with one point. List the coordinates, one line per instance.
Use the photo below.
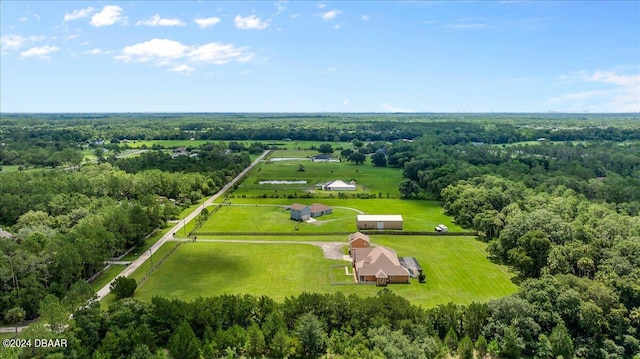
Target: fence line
(93, 277)
(158, 263)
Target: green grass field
(418, 215)
(376, 180)
(456, 267)
(107, 276)
(275, 219)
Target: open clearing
(418, 215)
(275, 219)
(456, 268)
(376, 180)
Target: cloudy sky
(305, 56)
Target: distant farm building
(321, 158)
(379, 221)
(379, 265)
(301, 212)
(337, 185)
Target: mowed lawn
(275, 219)
(369, 179)
(207, 268)
(456, 268)
(418, 215)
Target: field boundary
(157, 264)
(293, 233)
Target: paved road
(169, 236)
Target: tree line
(547, 318)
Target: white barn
(337, 185)
(379, 221)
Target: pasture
(457, 271)
(381, 181)
(275, 219)
(248, 215)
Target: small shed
(379, 221)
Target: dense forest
(67, 223)
(562, 210)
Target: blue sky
(305, 56)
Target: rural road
(169, 236)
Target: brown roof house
(358, 240)
(379, 265)
(301, 212)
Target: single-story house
(379, 221)
(321, 158)
(301, 212)
(358, 240)
(337, 185)
(378, 265)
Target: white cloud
(337, 26)
(330, 15)
(41, 52)
(96, 51)
(280, 6)
(167, 52)
(155, 49)
(331, 69)
(109, 15)
(23, 19)
(183, 69)
(365, 17)
(250, 22)
(217, 53)
(207, 22)
(78, 14)
(246, 57)
(11, 42)
(321, 6)
(156, 20)
(71, 37)
(14, 42)
(345, 102)
(622, 93)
